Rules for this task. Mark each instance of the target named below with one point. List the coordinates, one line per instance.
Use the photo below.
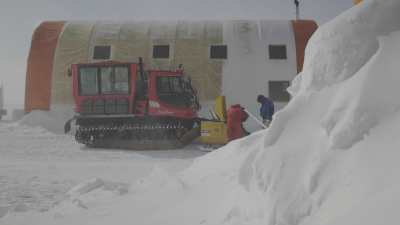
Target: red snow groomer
(121, 105)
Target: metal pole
(255, 119)
(297, 3)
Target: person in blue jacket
(267, 109)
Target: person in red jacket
(236, 116)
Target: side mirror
(69, 72)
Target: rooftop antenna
(297, 3)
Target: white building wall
(248, 68)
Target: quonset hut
(239, 58)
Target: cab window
(88, 83)
(114, 80)
(169, 85)
(171, 90)
(106, 80)
(121, 80)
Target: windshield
(104, 80)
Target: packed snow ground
(330, 157)
(38, 167)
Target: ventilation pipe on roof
(297, 3)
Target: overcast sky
(18, 19)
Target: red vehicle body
(120, 104)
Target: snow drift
(52, 120)
(329, 157)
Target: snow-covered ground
(38, 167)
(331, 157)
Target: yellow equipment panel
(213, 132)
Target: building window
(278, 91)
(102, 52)
(277, 51)
(218, 52)
(161, 51)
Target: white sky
(20, 17)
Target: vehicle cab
(118, 88)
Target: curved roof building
(239, 58)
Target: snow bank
(367, 97)
(53, 120)
(329, 157)
(345, 44)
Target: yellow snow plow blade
(214, 132)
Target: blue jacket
(267, 108)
